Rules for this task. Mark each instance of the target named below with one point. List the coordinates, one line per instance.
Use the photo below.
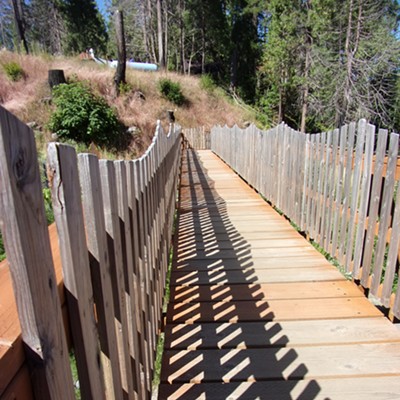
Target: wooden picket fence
(339, 187)
(197, 138)
(114, 223)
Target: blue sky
(102, 6)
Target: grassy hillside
(140, 106)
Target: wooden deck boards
(257, 313)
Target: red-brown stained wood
(11, 347)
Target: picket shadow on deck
(256, 312)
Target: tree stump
(56, 77)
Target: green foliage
(82, 116)
(2, 251)
(48, 206)
(85, 26)
(75, 377)
(207, 83)
(124, 88)
(171, 91)
(13, 71)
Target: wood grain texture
(381, 388)
(252, 301)
(67, 207)
(115, 251)
(26, 239)
(93, 210)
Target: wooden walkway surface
(256, 312)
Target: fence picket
(374, 206)
(364, 198)
(355, 189)
(143, 263)
(339, 191)
(140, 295)
(67, 208)
(27, 244)
(93, 207)
(116, 262)
(324, 197)
(392, 257)
(344, 215)
(385, 215)
(331, 190)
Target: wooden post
(26, 239)
(121, 67)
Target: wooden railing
(338, 187)
(197, 138)
(114, 224)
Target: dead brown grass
(139, 107)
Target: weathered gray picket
(322, 183)
(114, 222)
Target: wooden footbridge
(255, 312)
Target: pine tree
(46, 26)
(6, 24)
(85, 26)
(329, 62)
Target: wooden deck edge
(12, 357)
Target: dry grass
(141, 106)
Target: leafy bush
(207, 83)
(171, 91)
(13, 71)
(82, 116)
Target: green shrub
(207, 83)
(82, 116)
(125, 88)
(13, 71)
(171, 91)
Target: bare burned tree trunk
(166, 33)
(203, 40)
(308, 44)
(182, 35)
(160, 35)
(150, 31)
(121, 67)
(144, 31)
(19, 23)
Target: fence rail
(114, 222)
(197, 138)
(340, 187)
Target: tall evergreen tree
(327, 62)
(46, 25)
(6, 24)
(85, 26)
(245, 50)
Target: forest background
(315, 64)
